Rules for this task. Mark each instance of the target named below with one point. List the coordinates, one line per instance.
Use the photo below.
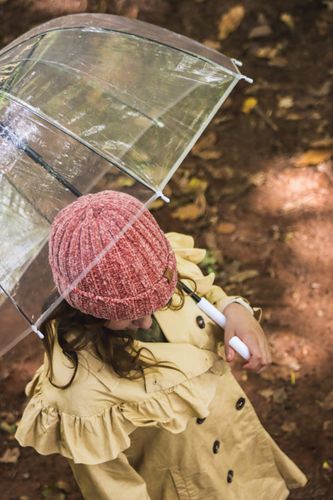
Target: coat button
(200, 420)
(200, 322)
(240, 403)
(230, 476)
(216, 446)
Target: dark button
(200, 420)
(200, 322)
(240, 403)
(230, 476)
(216, 446)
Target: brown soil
(281, 215)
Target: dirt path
(266, 215)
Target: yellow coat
(190, 435)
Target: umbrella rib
(79, 139)
(8, 134)
(27, 199)
(13, 301)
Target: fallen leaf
(289, 426)
(266, 393)
(249, 104)
(192, 211)
(212, 44)
(286, 102)
(10, 456)
(327, 404)
(258, 179)
(157, 204)
(321, 91)
(243, 276)
(260, 31)
(278, 62)
(279, 395)
(267, 52)
(329, 5)
(328, 427)
(288, 20)
(63, 485)
(313, 157)
(195, 186)
(9, 428)
(206, 142)
(132, 11)
(294, 117)
(326, 142)
(209, 154)
(230, 21)
(326, 465)
(226, 228)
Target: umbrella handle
(235, 342)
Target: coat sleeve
(188, 259)
(113, 480)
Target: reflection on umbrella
(90, 102)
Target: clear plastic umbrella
(90, 102)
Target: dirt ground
(266, 214)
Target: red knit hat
(134, 277)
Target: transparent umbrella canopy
(90, 102)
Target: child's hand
(240, 322)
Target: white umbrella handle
(236, 343)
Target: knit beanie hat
(134, 277)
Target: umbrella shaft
(8, 134)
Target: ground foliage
(257, 190)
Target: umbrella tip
(38, 333)
(163, 197)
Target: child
(135, 391)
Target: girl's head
(132, 268)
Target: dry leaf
(249, 104)
(226, 228)
(157, 204)
(195, 186)
(289, 426)
(326, 142)
(9, 428)
(230, 21)
(10, 456)
(322, 91)
(63, 485)
(327, 404)
(279, 395)
(209, 154)
(278, 62)
(286, 102)
(294, 117)
(313, 157)
(258, 179)
(192, 211)
(206, 142)
(267, 52)
(288, 20)
(267, 393)
(212, 44)
(243, 276)
(260, 31)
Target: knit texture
(135, 277)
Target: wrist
(236, 302)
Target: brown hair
(116, 349)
